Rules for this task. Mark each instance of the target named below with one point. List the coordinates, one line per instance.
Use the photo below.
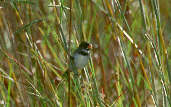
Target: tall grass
(129, 64)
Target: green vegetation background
(130, 63)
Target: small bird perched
(79, 58)
(81, 55)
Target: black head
(85, 45)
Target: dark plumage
(84, 45)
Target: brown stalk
(69, 76)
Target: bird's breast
(80, 60)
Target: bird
(80, 57)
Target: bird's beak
(90, 46)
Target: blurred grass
(130, 62)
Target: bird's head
(85, 45)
